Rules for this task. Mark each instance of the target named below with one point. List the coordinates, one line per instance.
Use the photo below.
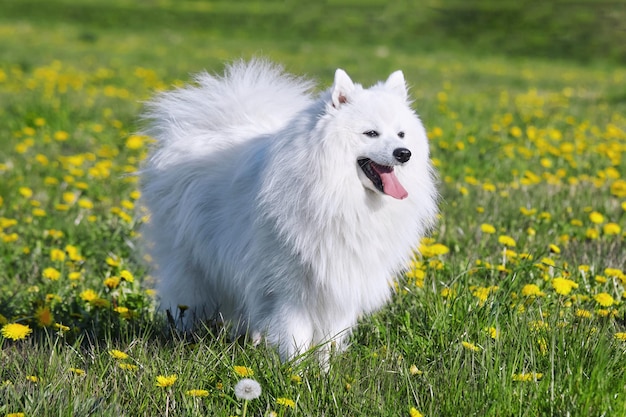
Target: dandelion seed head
(247, 389)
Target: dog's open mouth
(383, 178)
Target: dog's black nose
(402, 154)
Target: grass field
(515, 308)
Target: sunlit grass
(516, 306)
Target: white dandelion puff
(247, 389)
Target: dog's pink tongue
(391, 185)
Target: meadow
(515, 307)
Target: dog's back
(251, 99)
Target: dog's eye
(401, 135)
(371, 133)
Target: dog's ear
(342, 88)
(396, 84)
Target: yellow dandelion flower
(414, 413)
(51, 273)
(563, 286)
(606, 313)
(413, 370)
(6, 223)
(118, 354)
(528, 212)
(54, 234)
(527, 377)
(592, 233)
(583, 314)
(57, 255)
(447, 292)
(112, 282)
(51, 181)
(38, 212)
(596, 217)
(482, 293)
(89, 295)
(429, 251)
(243, 371)
(487, 228)
(165, 381)
(621, 336)
(61, 136)
(111, 261)
(197, 393)
(124, 312)
(25, 192)
(32, 378)
(506, 241)
(127, 366)
(616, 273)
(74, 276)
(69, 197)
(470, 346)
(128, 205)
(611, 229)
(600, 279)
(77, 371)
(494, 333)
(532, 290)
(286, 402)
(435, 264)
(15, 331)
(604, 299)
(618, 188)
(135, 142)
(85, 203)
(543, 345)
(73, 253)
(127, 276)
(10, 238)
(554, 249)
(295, 379)
(16, 415)
(61, 327)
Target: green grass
(530, 146)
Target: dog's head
(387, 135)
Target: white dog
(288, 215)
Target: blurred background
(582, 30)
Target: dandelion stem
(245, 408)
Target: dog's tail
(251, 99)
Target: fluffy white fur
(260, 212)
